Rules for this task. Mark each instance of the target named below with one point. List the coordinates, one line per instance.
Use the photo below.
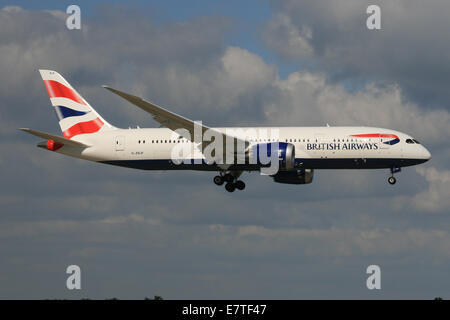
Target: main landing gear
(392, 179)
(231, 182)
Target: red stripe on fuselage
(58, 90)
(375, 135)
(83, 127)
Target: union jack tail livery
(75, 115)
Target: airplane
(296, 151)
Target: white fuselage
(315, 147)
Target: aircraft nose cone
(426, 154)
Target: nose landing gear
(392, 179)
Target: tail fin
(75, 114)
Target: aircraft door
(119, 143)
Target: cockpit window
(409, 141)
(416, 141)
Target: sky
(137, 234)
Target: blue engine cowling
(302, 176)
(284, 152)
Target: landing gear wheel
(392, 180)
(228, 178)
(230, 187)
(218, 180)
(240, 185)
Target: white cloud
(437, 197)
(59, 15)
(244, 71)
(235, 76)
(235, 241)
(339, 242)
(12, 9)
(410, 49)
(288, 40)
(434, 198)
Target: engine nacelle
(282, 151)
(302, 176)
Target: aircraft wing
(172, 120)
(55, 138)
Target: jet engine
(302, 176)
(284, 152)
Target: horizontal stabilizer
(55, 138)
